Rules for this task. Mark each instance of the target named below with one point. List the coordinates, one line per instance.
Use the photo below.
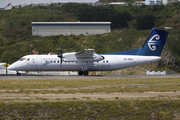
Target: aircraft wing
(88, 55)
(85, 53)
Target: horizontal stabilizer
(164, 28)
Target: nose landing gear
(18, 74)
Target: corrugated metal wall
(76, 28)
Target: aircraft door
(38, 62)
(83, 66)
(32, 63)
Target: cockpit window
(24, 59)
(27, 59)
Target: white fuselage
(53, 63)
(87, 60)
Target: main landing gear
(85, 73)
(18, 74)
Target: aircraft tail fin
(155, 42)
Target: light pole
(132, 73)
(149, 65)
(6, 65)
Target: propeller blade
(61, 54)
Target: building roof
(140, 2)
(118, 3)
(49, 23)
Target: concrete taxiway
(8, 77)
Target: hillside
(16, 39)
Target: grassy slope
(15, 27)
(111, 42)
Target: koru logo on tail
(153, 42)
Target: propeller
(60, 55)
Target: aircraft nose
(11, 67)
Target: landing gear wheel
(85, 73)
(80, 73)
(18, 74)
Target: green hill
(16, 39)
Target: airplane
(88, 60)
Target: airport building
(69, 28)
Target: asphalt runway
(3, 77)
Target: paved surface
(88, 77)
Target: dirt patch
(89, 96)
(53, 95)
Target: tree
(145, 21)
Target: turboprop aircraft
(88, 60)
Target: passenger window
(107, 61)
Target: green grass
(75, 83)
(159, 107)
(118, 109)
(90, 85)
